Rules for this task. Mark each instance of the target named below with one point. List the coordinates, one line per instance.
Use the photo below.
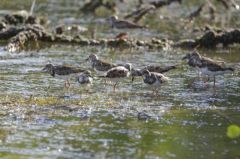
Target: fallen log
(211, 39)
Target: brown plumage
(122, 36)
(206, 65)
(159, 69)
(117, 73)
(62, 71)
(196, 60)
(152, 68)
(153, 79)
(123, 24)
(99, 65)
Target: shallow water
(41, 119)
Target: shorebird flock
(152, 75)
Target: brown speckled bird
(152, 68)
(118, 73)
(206, 65)
(153, 79)
(98, 65)
(61, 71)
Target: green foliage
(233, 131)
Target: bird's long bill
(184, 60)
(44, 69)
(108, 19)
(185, 57)
(133, 78)
(76, 78)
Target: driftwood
(26, 34)
(212, 38)
(196, 13)
(141, 11)
(21, 35)
(228, 3)
(22, 17)
(161, 3)
(91, 6)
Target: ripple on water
(40, 118)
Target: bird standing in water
(153, 79)
(62, 71)
(207, 66)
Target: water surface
(41, 119)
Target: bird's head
(195, 55)
(48, 68)
(193, 59)
(88, 73)
(192, 56)
(187, 57)
(128, 66)
(112, 18)
(135, 72)
(145, 72)
(92, 58)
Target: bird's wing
(65, 70)
(136, 72)
(159, 69)
(127, 24)
(103, 66)
(117, 72)
(168, 68)
(150, 79)
(153, 68)
(212, 65)
(161, 78)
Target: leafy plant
(233, 131)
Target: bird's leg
(133, 78)
(153, 92)
(37, 44)
(105, 82)
(199, 75)
(157, 93)
(67, 84)
(214, 81)
(114, 86)
(206, 79)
